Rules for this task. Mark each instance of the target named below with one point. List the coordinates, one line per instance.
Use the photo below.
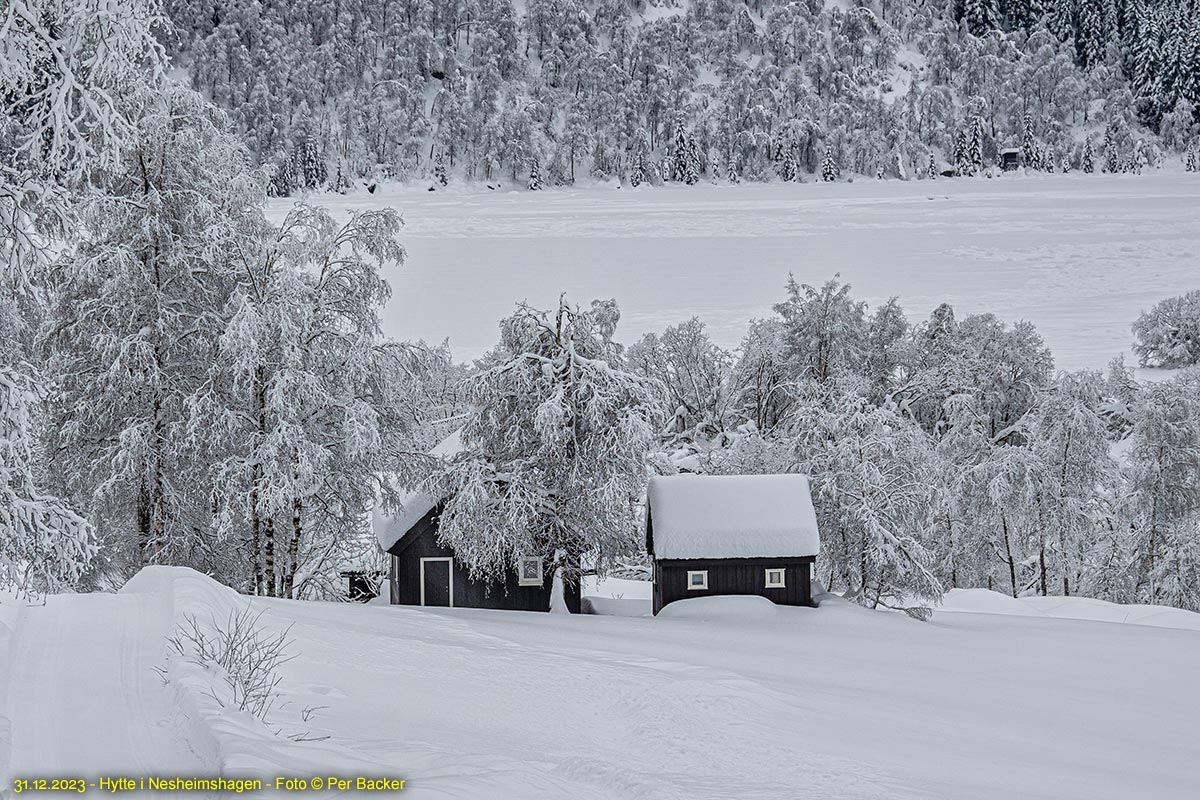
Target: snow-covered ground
(714, 699)
(1078, 255)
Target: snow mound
(1084, 608)
(237, 742)
(984, 601)
(722, 607)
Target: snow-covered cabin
(732, 534)
(423, 572)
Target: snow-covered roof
(415, 504)
(731, 516)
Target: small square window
(697, 579)
(775, 579)
(529, 571)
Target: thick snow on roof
(416, 504)
(732, 516)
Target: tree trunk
(269, 558)
(1012, 567)
(256, 477)
(293, 548)
(1042, 564)
(143, 523)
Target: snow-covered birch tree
(555, 447)
(872, 474)
(318, 402)
(65, 73)
(136, 312)
(1164, 470)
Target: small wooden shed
(1010, 159)
(732, 534)
(423, 572)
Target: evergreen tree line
(333, 96)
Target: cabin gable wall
(421, 542)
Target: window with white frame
(529, 571)
(697, 579)
(775, 579)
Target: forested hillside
(574, 89)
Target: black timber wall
(421, 542)
(734, 576)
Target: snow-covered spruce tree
(829, 168)
(316, 402)
(637, 175)
(439, 169)
(692, 164)
(680, 155)
(136, 312)
(1088, 164)
(1168, 335)
(535, 176)
(66, 74)
(555, 447)
(932, 171)
(1028, 142)
(1190, 160)
(1164, 471)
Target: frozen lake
(1078, 255)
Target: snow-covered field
(1078, 255)
(728, 698)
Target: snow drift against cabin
(732, 516)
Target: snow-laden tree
(1164, 472)
(136, 313)
(1168, 335)
(44, 544)
(555, 447)
(873, 485)
(66, 71)
(316, 401)
(824, 329)
(1076, 473)
(696, 375)
(762, 385)
(959, 448)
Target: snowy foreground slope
(1078, 255)
(733, 698)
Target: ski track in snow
(1078, 255)
(85, 701)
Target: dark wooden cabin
(1010, 159)
(732, 535)
(423, 572)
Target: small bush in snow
(245, 655)
(1168, 335)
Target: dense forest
(559, 91)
